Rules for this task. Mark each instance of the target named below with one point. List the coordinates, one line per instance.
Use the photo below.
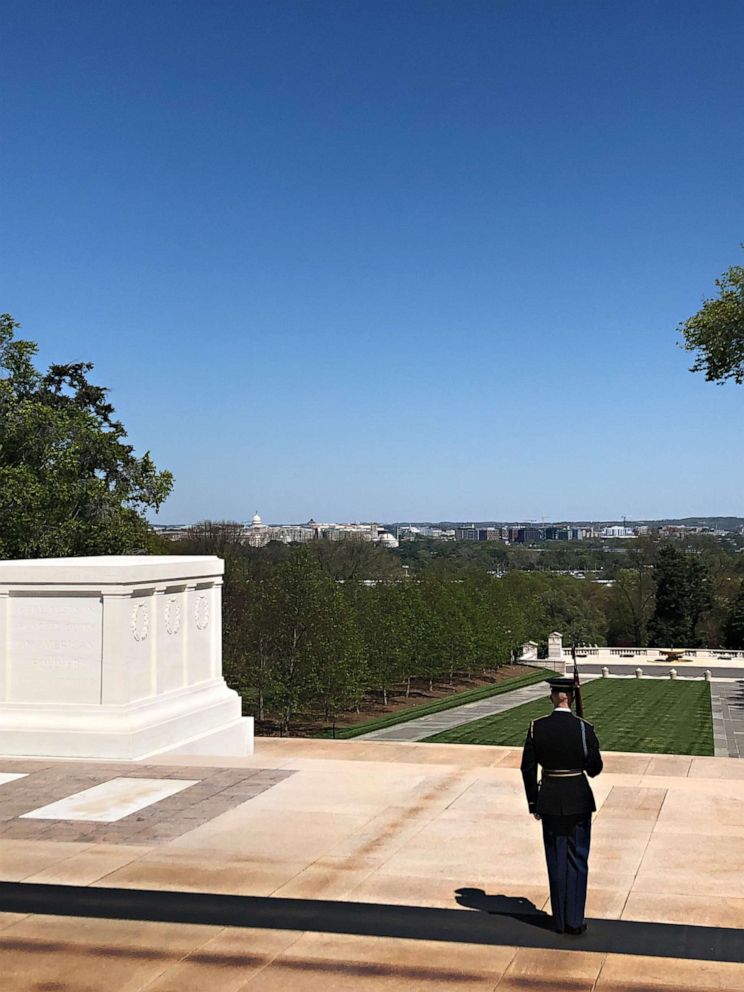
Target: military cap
(561, 684)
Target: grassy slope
(629, 715)
(437, 705)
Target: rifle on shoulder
(577, 684)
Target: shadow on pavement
(514, 928)
(516, 907)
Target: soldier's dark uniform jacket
(560, 742)
(567, 750)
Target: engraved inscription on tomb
(54, 648)
(48, 664)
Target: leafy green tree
(733, 632)
(699, 597)
(570, 611)
(670, 623)
(248, 629)
(384, 621)
(340, 670)
(455, 646)
(631, 606)
(342, 686)
(424, 637)
(213, 537)
(517, 599)
(354, 559)
(716, 331)
(488, 624)
(312, 642)
(69, 484)
(682, 598)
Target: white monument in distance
(115, 657)
(555, 646)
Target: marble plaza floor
(340, 865)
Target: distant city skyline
(363, 260)
(389, 534)
(257, 519)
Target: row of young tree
(316, 629)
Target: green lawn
(628, 715)
(437, 705)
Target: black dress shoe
(576, 931)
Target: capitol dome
(388, 540)
(256, 522)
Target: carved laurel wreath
(172, 616)
(140, 622)
(201, 612)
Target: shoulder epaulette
(585, 721)
(532, 725)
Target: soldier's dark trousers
(566, 840)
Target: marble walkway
(727, 701)
(426, 726)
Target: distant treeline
(316, 628)
(313, 630)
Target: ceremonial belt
(562, 772)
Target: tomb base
(203, 719)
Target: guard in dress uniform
(566, 748)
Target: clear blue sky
(374, 260)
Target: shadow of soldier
(515, 907)
(515, 921)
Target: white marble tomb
(115, 657)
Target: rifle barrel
(577, 685)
